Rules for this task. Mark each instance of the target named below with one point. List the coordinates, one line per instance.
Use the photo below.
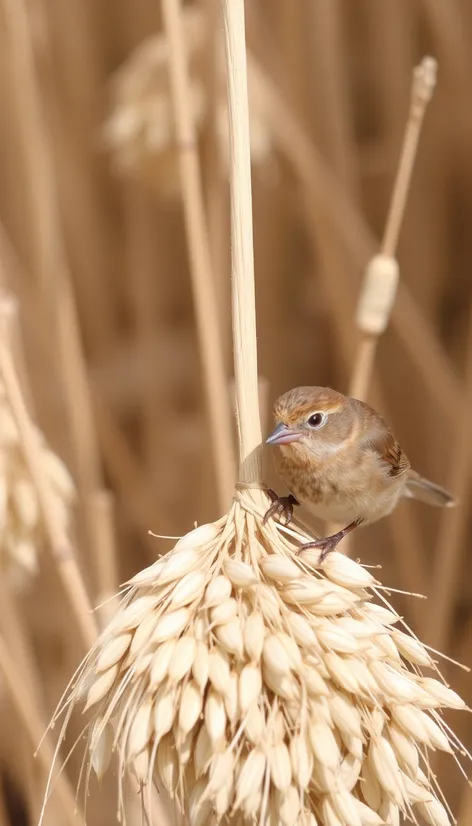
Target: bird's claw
(282, 506)
(325, 544)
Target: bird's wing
(382, 442)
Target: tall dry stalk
(203, 281)
(251, 682)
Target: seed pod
(101, 747)
(224, 612)
(305, 591)
(140, 731)
(167, 765)
(302, 632)
(189, 588)
(349, 771)
(411, 649)
(253, 635)
(275, 656)
(240, 574)
(101, 686)
(379, 614)
(221, 768)
(203, 753)
(288, 806)
(199, 537)
(178, 564)
(190, 706)
(141, 637)
(434, 813)
(400, 688)
(255, 725)
(160, 662)
(344, 571)
(437, 738)
(170, 624)
(279, 568)
(230, 699)
(217, 591)
(280, 766)
(268, 603)
(199, 807)
(367, 816)
(113, 652)
(329, 813)
(405, 749)
(335, 639)
(411, 720)
(340, 672)
(344, 805)
(445, 696)
(250, 777)
(215, 716)
(250, 686)
(314, 683)
(164, 711)
(218, 670)
(182, 658)
(200, 665)
(292, 650)
(324, 745)
(370, 786)
(345, 715)
(385, 767)
(301, 758)
(230, 637)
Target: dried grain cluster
(256, 687)
(140, 130)
(21, 526)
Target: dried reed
(252, 684)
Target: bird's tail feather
(429, 492)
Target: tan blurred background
(93, 247)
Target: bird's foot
(326, 544)
(282, 506)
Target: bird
(339, 457)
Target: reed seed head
(140, 129)
(287, 709)
(21, 524)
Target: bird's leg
(329, 543)
(281, 506)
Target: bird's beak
(283, 435)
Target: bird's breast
(339, 488)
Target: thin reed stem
(242, 257)
(424, 80)
(203, 282)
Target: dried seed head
(250, 686)
(251, 693)
(280, 568)
(253, 635)
(217, 591)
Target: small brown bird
(340, 458)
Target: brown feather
(425, 491)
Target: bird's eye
(316, 420)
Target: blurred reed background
(99, 321)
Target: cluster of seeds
(259, 687)
(140, 130)
(20, 519)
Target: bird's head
(314, 419)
